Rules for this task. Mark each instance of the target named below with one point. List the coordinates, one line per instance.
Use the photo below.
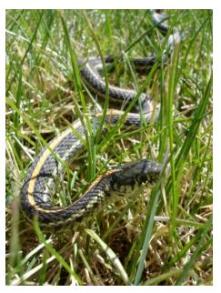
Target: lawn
(160, 236)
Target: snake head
(132, 175)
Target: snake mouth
(132, 175)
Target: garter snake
(45, 169)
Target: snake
(47, 166)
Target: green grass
(162, 236)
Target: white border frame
(123, 4)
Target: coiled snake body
(40, 179)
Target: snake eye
(151, 171)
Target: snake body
(46, 167)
